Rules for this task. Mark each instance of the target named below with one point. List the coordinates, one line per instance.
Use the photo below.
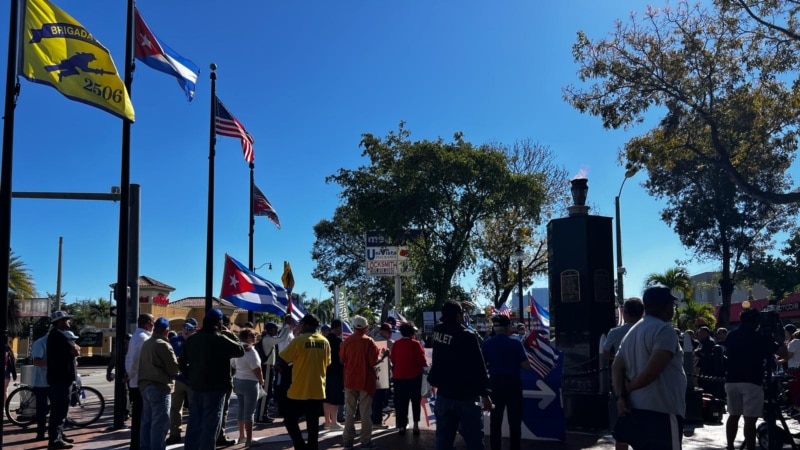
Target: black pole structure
(121, 287)
(212, 141)
(620, 268)
(12, 90)
(251, 314)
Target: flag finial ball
(213, 66)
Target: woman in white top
(246, 384)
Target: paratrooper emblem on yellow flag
(58, 51)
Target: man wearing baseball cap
(359, 356)
(61, 373)
(181, 390)
(206, 363)
(158, 367)
(648, 377)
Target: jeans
(136, 416)
(155, 417)
(246, 393)
(291, 419)
(59, 403)
(453, 416)
(506, 396)
(224, 419)
(41, 408)
(205, 417)
(364, 400)
(409, 390)
(180, 396)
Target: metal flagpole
(212, 140)
(124, 216)
(250, 314)
(12, 90)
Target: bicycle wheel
(85, 407)
(21, 406)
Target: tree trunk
(726, 286)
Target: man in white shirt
(143, 332)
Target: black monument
(582, 305)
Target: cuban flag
(156, 54)
(347, 330)
(540, 314)
(541, 354)
(250, 291)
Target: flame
(581, 173)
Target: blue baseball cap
(161, 323)
(214, 314)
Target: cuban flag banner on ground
(153, 52)
(250, 291)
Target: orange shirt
(359, 355)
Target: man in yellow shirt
(310, 355)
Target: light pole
(517, 257)
(620, 268)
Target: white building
(706, 290)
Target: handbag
(261, 392)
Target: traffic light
(113, 311)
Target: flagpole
(212, 140)
(121, 289)
(250, 314)
(12, 90)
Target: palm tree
(100, 310)
(691, 312)
(676, 278)
(20, 286)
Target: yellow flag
(58, 51)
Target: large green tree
(499, 235)
(779, 274)
(724, 84)
(709, 213)
(443, 189)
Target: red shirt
(408, 359)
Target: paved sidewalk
(273, 436)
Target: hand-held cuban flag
(155, 53)
(347, 330)
(250, 291)
(262, 207)
(540, 316)
(542, 356)
(227, 125)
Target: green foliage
(690, 312)
(676, 278)
(725, 83)
(443, 188)
(498, 236)
(781, 275)
(20, 286)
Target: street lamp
(517, 257)
(631, 171)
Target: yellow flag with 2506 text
(58, 51)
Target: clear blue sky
(306, 78)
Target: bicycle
(85, 407)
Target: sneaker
(174, 440)
(336, 426)
(67, 440)
(225, 442)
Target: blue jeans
(453, 416)
(205, 418)
(155, 417)
(246, 393)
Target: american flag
(503, 311)
(541, 354)
(227, 125)
(262, 207)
